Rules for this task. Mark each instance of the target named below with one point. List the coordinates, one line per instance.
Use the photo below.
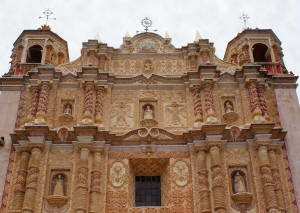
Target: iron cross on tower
(146, 23)
(47, 13)
(245, 17)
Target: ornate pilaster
(35, 92)
(204, 193)
(95, 187)
(20, 186)
(198, 112)
(88, 104)
(277, 179)
(80, 194)
(43, 103)
(217, 179)
(254, 102)
(99, 106)
(209, 103)
(267, 179)
(262, 101)
(102, 61)
(32, 180)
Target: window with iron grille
(147, 191)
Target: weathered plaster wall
(289, 112)
(8, 112)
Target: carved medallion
(175, 114)
(181, 173)
(117, 174)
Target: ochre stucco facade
(211, 129)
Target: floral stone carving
(117, 174)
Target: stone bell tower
(37, 47)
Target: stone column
(204, 193)
(267, 179)
(198, 112)
(95, 187)
(32, 180)
(99, 106)
(217, 179)
(209, 103)
(277, 179)
(43, 103)
(254, 102)
(88, 103)
(20, 186)
(80, 194)
(262, 101)
(35, 92)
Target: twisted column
(277, 180)
(262, 101)
(95, 189)
(81, 183)
(99, 106)
(209, 103)
(217, 180)
(88, 103)
(254, 102)
(20, 186)
(32, 180)
(43, 103)
(267, 179)
(35, 92)
(198, 112)
(204, 194)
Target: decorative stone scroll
(181, 173)
(117, 174)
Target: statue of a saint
(68, 109)
(59, 185)
(228, 106)
(239, 184)
(148, 113)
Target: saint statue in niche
(58, 185)
(228, 106)
(68, 109)
(239, 182)
(148, 112)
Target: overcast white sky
(218, 20)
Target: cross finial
(146, 23)
(245, 17)
(47, 13)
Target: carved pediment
(147, 43)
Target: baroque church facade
(148, 127)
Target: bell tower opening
(34, 54)
(261, 53)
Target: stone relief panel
(163, 66)
(117, 174)
(181, 173)
(122, 115)
(175, 114)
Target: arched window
(34, 54)
(261, 53)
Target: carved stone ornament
(230, 115)
(181, 173)
(117, 174)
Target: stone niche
(229, 109)
(67, 112)
(148, 113)
(58, 191)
